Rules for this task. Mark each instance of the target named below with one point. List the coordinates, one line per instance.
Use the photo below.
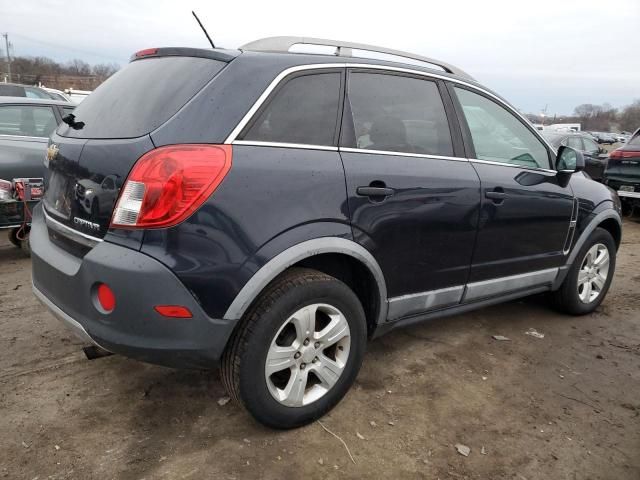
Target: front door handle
(497, 195)
(375, 191)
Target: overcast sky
(559, 53)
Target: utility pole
(6, 44)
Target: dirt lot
(563, 407)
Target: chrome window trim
(401, 154)
(305, 146)
(69, 232)
(28, 137)
(513, 165)
(231, 138)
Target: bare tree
(105, 70)
(78, 67)
(630, 117)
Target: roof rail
(343, 49)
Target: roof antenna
(203, 29)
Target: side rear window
(27, 120)
(142, 96)
(304, 110)
(398, 114)
(574, 142)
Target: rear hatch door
(89, 160)
(623, 167)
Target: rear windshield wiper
(71, 121)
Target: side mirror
(569, 160)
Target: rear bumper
(622, 193)
(65, 284)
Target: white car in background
(77, 96)
(56, 94)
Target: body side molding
(408, 305)
(298, 252)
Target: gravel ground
(566, 406)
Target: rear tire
(13, 237)
(589, 278)
(316, 326)
(25, 246)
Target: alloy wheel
(593, 273)
(307, 355)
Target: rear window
(635, 140)
(141, 96)
(12, 91)
(27, 120)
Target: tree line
(599, 118)
(46, 71)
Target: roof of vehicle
(33, 101)
(346, 50)
(276, 47)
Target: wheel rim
(593, 273)
(307, 355)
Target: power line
(65, 47)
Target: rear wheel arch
(339, 257)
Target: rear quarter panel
(272, 198)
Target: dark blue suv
(269, 211)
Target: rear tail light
(168, 184)
(620, 154)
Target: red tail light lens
(618, 154)
(173, 311)
(168, 184)
(106, 297)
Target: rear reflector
(106, 298)
(173, 311)
(168, 184)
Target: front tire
(590, 276)
(297, 350)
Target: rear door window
(27, 120)
(575, 142)
(398, 114)
(499, 136)
(142, 96)
(303, 111)
(590, 146)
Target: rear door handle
(375, 191)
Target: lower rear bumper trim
(72, 324)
